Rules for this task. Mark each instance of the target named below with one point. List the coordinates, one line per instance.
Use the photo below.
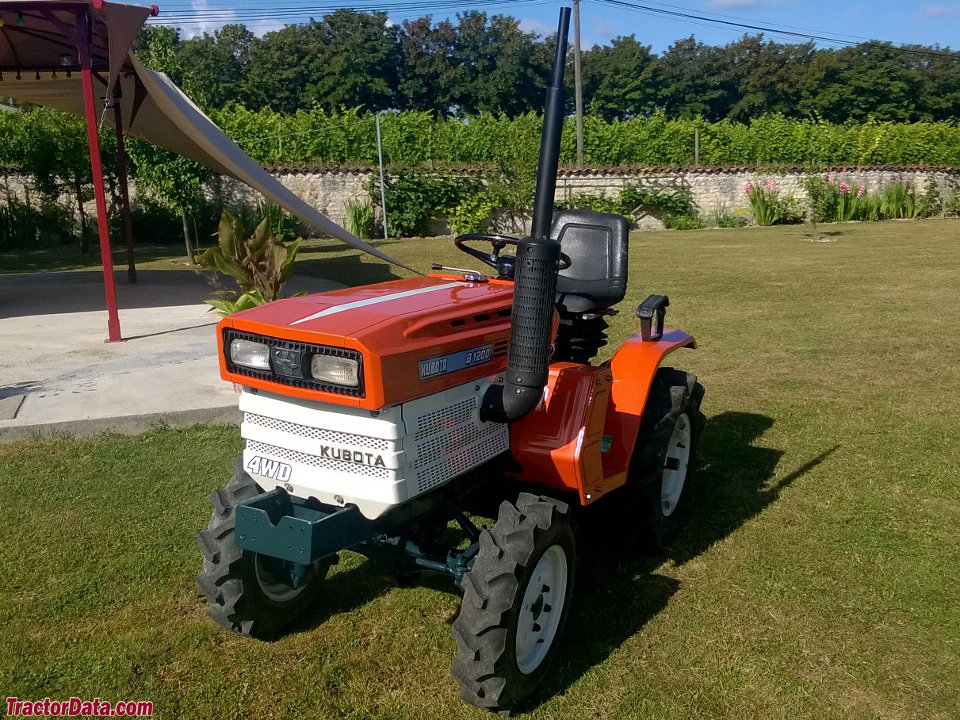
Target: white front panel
(373, 459)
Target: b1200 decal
(266, 467)
(443, 364)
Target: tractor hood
(394, 326)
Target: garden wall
(711, 190)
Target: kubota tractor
(372, 415)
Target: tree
(763, 77)
(358, 63)
(170, 180)
(158, 47)
(216, 66)
(346, 60)
(621, 80)
(54, 153)
(500, 68)
(870, 80)
(693, 81)
(427, 71)
(938, 69)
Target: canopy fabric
(39, 35)
(152, 107)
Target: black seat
(596, 244)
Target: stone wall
(712, 190)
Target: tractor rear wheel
(515, 603)
(667, 452)
(249, 593)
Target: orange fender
(580, 438)
(633, 367)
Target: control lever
(652, 312)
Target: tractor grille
(451, 441)
(274, 451)
(328, 437)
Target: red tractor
(374, 415)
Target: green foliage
(838, 199)
(723, 219)
(415, 198)
(682, 222)
(472, 214)
(675, 209)
(247, 300)
(256, 259)
(23, 226)
(360, 220)
(769, 206)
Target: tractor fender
(633, 367)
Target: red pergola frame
(82, 35)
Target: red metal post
(124, 190)
(84, 41)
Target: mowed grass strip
(818, 574)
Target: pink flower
(909, 191)
(772, 185)
(747, 187)
(861, 191)
(831, 176)
(844, 188)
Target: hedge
(413, 139)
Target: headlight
(250, 354)
(336, 370)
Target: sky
(936, 22)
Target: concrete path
(58, 376)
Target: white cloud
(200, 7)
(223, 16)
(529, 25)
(931, 11)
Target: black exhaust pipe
(535, 279)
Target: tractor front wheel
(249, 593)
(515, 603)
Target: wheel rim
(675, 465)
(275, 578)
(541, 609)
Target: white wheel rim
(675, 465)
(541, 609)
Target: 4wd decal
(443, 364)
(273, 469)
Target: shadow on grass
(734, 482)
(343, 592)
(618, 591)
(349, 270)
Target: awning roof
(152, 107)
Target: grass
(817, 575)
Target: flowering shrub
(768, 207)
(840, 200)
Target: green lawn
(818, 575)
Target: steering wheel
(504, 265)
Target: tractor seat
(596, 244)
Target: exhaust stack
(535, 282)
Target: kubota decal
(443, 364)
